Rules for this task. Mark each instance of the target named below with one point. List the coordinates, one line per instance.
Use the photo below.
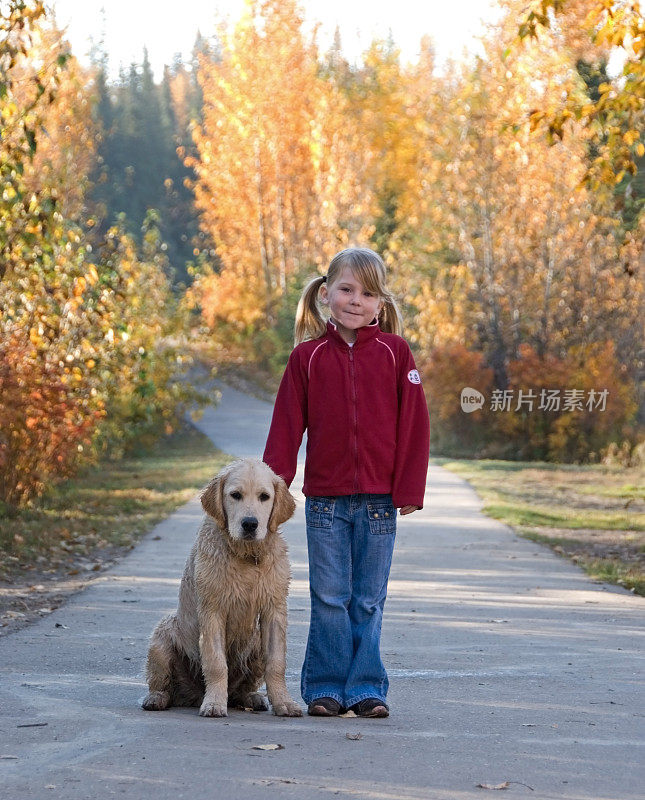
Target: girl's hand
(409, 509)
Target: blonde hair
(369, 270)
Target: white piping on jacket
(311, 358)
(371, 325)
(389, 348)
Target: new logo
(471, 399)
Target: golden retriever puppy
(228, 635)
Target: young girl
(353, 385)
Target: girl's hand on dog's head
(408, 509)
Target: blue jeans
(350, 539)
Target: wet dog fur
(228, 634)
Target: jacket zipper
(353, 376)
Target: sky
(169, 28)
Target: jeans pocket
(382, 517)
(319, 511)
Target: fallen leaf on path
(33, 725)
(347, 714)
(268, 747)
(9, 757)
(354, 736)
(504, 785)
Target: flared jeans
(350, 539)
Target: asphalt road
(506, 663)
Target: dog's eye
(236, 495)
(264, 496)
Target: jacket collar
(363, 335)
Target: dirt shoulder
(63, 542)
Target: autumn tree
(384, 112)
(45, 416)
(614, 118)
(86, 353)
(274, 183)
(512, 251)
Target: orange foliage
(447, 371)
(450, 369)
(579, 435)
(583, 422)
(592, 29)
(46, 421)
(274, 176)
(66, 155)
(529, 426)
(80, 343)
(524, 430)
(223, 294)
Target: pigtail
(310, 323)
(390, 320)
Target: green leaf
(31, 139)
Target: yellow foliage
(276, 152)
(591, 30)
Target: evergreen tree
(145, 129)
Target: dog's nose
(249, 526)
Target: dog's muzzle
(249, 527)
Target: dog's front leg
(273, 627)
(212, 648)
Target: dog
(228, 634)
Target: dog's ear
(283, 505)
(213, 501)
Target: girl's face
(350, 303)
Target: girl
(353, 385)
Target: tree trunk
(262, 231)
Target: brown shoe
(324, 707)
(371, 707)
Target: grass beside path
(84, 524)
(593, 514)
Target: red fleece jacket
(365, 413)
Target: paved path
(506, 663)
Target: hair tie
(324, 278)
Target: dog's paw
(156, 701)
(257, 702)
(287, 709)
(210, 709)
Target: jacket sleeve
(289, 420)
(413, 435)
